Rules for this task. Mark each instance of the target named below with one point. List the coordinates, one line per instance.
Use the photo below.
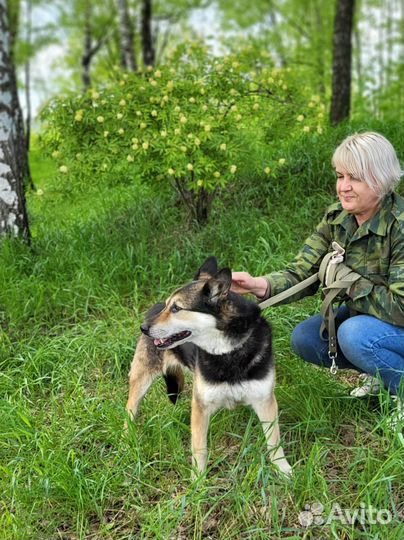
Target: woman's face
(356, 197)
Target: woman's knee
(353, 337)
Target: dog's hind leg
(267, 412)
(140, 380)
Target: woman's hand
(244, 283)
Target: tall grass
(70, 308)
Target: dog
(222, 338)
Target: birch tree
(13, 149)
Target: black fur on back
(241, 321)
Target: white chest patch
(228, 396)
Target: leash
(333, 286)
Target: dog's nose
(144, 328)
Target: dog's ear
(208, 269)
(217, 288)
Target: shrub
(180, 125)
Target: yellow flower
(130, 158)
(135, 146)
(233, 169)
(282, 161)
(138, 113)
(143, 125)
(78, 117)
(171, 171)
(177, 131)
(121, 131)
(170, 86)
(119, 116)
(153, 82)
(145, 145)
(95, 95)
(320, 115)
(39, 192)
(316, 98)
(306, 129)
(270, 80)
(256, 106)
(192, 100)
(154, 113)
(55, 153)
(63, 169)
(267, 170)
(177, 109)
(149, 68)
(285, 87)
(183, 120)
(300, 118)
(190, 167)
(163, 133)
(223, 146)
(216, 174)
(122, 103)
(183, 149)
(207, 128)
(311, 104)
(106, 133)
(319, 130)
(135, 140)
(202, 91)
(238, 117)
(100, 119)
(197, 141)
(205, 108)
(199, 183)
(233, 108)
(157, 74)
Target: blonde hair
(371, 158)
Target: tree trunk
(128, 57)
(147, 36)
(342, 59)
(13, 149)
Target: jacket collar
(377, 224)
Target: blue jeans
(365, 344)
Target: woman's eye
(175, 308)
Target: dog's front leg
(200, 417)
(267, 412)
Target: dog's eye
(175, 308)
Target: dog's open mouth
(167, 342)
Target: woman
(368, 222)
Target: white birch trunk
(13, 153)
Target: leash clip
(334, 368)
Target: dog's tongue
(158, 342)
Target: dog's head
(192, 310)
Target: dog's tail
(174, 378)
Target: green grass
(70, 308)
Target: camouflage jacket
(375, 250)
